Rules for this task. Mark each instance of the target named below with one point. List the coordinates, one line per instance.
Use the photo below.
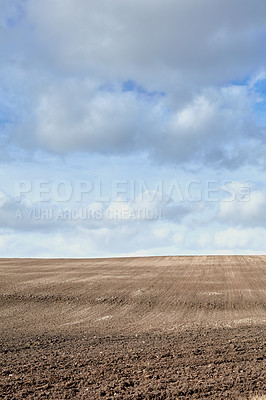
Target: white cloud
(250, 212)
(216, 127)
(240, 239)
(72, 116)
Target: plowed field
(133, 328)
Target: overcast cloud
(135, 89)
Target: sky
(132, 128)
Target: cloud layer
(158, 78)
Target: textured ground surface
(133, 328)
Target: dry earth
(133, 328)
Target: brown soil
(133, 328)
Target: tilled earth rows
(136, 328)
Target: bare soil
(133, 328)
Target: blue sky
(114, 107)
